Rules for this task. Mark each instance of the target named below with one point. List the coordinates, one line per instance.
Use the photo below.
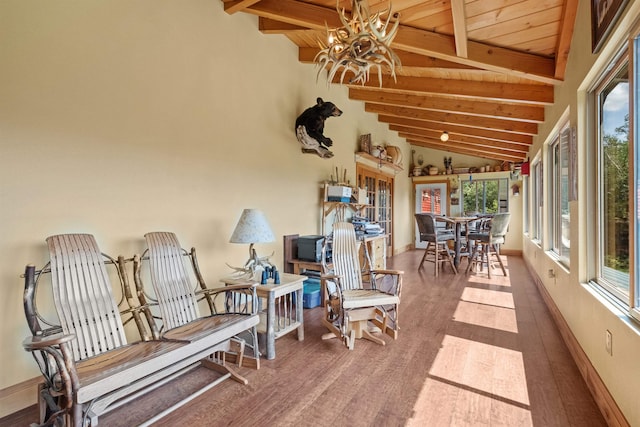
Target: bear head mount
(310, 128)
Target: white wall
(588, 314)
(118, 118)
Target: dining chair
(487, 241)
(437, 241)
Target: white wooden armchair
(351, 304)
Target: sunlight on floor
(487, 316)
(488, 297)
(456, 406)
(476, 384)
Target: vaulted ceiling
(481, 70)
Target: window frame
(537, 199)
(558, 192)
(604, 277)
(502, 191)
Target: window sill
(617, 308)
(561, 262)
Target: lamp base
(253, 264)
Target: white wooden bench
(87, 364)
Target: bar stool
(487, 242)
(437, 242)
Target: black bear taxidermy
(310, 128)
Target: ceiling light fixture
(363, 43)
(444, 137)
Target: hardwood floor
(471, 352)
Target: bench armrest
(396, 272)
(40, 342)
(239, 287)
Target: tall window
(636, 178)
(485, 196)
(559, 219)
(536, 199)
(526, 190)
(612, 187)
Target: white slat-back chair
(177, 297)
(351, 305)
(86, 308)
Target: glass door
(379, 188)
(430, 198)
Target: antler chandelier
(361, 44)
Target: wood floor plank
(470, 352)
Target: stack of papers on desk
(373, 229)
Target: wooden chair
(487, 240)
(87, 364)
(437, 241)
(351, 305)
(177, 299)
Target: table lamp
(252, 228)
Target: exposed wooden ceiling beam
(463, 149)
(457, 106)
(533, 94)
(233, 6)
(418, 41)
(459, 27)
(455, 138)
(491, 134)
(568, 20)
(488, 57)
(270, 26)
(407, 59)
(455, 119)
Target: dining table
(458, 222)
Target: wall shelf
(370, 160)
(340, 208)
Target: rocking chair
(350, 305)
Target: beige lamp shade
(252, 227)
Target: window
(431, 201)
(611, 140)
(525, 204)
(485, 196)
(636, 177)
(536, 199)
(559, 219)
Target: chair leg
(424, 257)
(437, 261)
(486, 248)
(496, 250)
(453, 265)
(472, 257)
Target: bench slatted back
(346, 261)
(83, 295)
(170, 279)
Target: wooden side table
(283, 314)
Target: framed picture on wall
(604, 15)
(365, 143)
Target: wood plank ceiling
(481, 70)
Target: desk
(458, 222)
(283, 314)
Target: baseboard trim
(607, 405)
(406, 248)
(19, 396)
